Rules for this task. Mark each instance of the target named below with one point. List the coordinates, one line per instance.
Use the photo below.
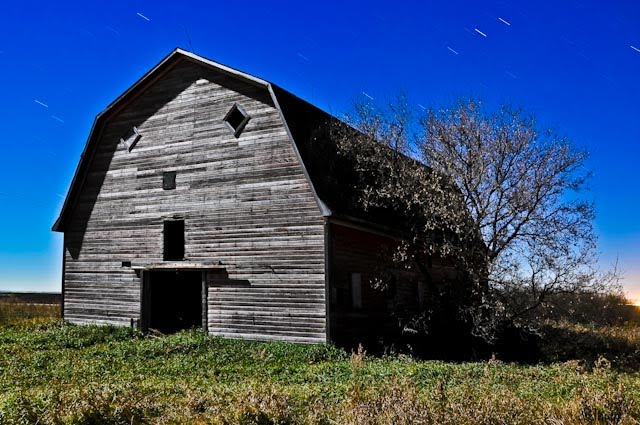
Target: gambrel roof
(316, 152)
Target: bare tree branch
(489, 192)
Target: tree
(489, 192)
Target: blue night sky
(574, 64)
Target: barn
(204, 197)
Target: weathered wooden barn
(204, 198)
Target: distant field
(31, 297)
(51, 373)
(28, 308)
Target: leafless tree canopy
(491, 192)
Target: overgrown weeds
(620, 344)
(56, 374)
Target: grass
(53, 373)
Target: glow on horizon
(633, 297)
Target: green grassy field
(51, 373)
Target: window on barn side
(174, 240)
(356, 291)
(421, 303)
(236, 119)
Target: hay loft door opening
(172, 300)
(174, 240)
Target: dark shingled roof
(310, 129)
(334, 176)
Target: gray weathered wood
(246, 203)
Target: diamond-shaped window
(131, 138)
(236, 119)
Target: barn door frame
(205, 302)
(145, 300)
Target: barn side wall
(388, 295)
(367, 254)
(245, 201)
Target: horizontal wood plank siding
(245, 201)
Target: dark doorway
(173, 300)
(174, 240)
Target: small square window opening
(236, 119)
(169, 180)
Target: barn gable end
(253, 227)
